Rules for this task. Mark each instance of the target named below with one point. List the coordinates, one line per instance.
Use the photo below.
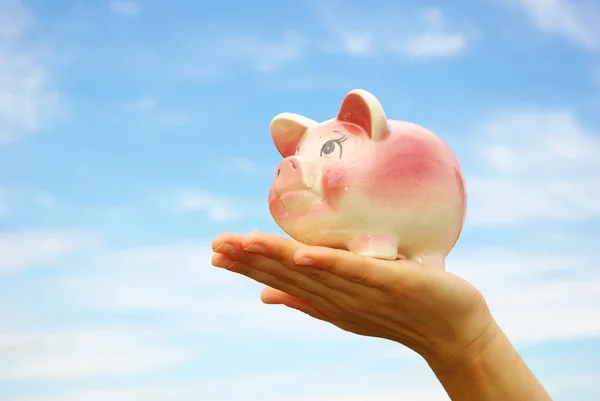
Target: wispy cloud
(596, 74)
(540, 167)
(125, 7)
(139, 314)
(176, 281)
(212, 54)
(28, 249)
(13, 199)
(342, 384)
(411, 33)
(220, 207)
(28, 100)
(169, 277)
(150, 109)
(530, 292)
(240, 165)
(267, 56)
(246, 167)
(80, 354)
(423, 33)
(578, 21)
(535, 165)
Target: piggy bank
(382, 188)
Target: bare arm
(491, 370)
(439, 315)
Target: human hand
(431, 311)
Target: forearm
(491, 371)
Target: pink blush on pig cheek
(334, 183)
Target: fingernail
(226, 249)
(304, 261)
(255, 248)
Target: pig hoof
(375, 246)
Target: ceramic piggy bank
(378, 187)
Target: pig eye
(331, 145)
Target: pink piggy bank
(378, 187)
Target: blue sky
(132, 132)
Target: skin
(435, 313)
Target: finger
(328, 286)
(273, 296)
(279, 297)
(236, 266)
(283, 250)
(322, 308)
(272, 246)
(337, 293)
(353, 267)
(226, 239)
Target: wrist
(488, 369)
(465, 336)
(460, 355)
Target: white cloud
(23, 250)
(125, 7)
(527, 291)
(240, 165)
(537, 166)
(209, 55)
(320, 382)
(156, 278)
(177, 281)
(327, 383)
(596, 74)
(79, 354)
(246, 167)
(28, 102)
(578, 21)
(530, 292)
(4, 202)
(143, 104)
(149, 108)
(14, 199)
(219, 207)
(267, 56)
(417, 34)
(432, 45)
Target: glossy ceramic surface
(378, 187)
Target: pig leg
(381, 246)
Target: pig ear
(287, 129)
(363, 109)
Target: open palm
(431, 311)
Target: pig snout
(295, 174)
